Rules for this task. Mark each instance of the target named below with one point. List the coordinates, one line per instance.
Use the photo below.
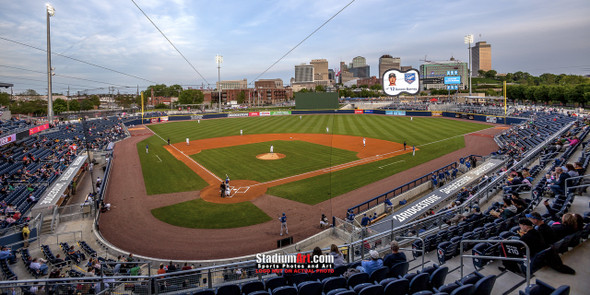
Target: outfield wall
(467, 116)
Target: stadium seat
(357, 278)
(259, 292)
(297, 279)
(229, 290)
(338, 291)
(200, 292)
(357, 289)
(310, 288)
(332, 283)
(379, 274)
(542, 288)
(437, 278)
(284, 290)
(372, 290)
(463, 290)
(485, 285)
(399, 286)
(252, 286)
(399, 269)
(419, 282)
(273, 283)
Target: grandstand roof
(6, 85)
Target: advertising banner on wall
(237, 115)
(164, 119)
(155, 120)
(395, 113)
(253, 114)
(368, 111)
(396, 82)
(280, 113)
(452, 80)
(358, 111)
(7, 139)
(436, 114)
(38, 129)
(490, 119)
(266, 113)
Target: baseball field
(315, 158)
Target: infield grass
(201, 214)
(240, 162)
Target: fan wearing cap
(545, 230)
(532, 238)
(369, 266)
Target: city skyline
(528, 36)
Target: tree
(191, 96)
(4, 99)
(481, 73)
(542, 93)
(376, 87)
(86, 104)
(74, 105)
(515, 92)
(173, 90)
(161, 106)
(557, 93)
(529, 93)
(30, 92)
(241, 97)
(59, 106)
(95, 100)
(491, 74)
(320, 88)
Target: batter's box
(242, 189)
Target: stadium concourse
(519, 146)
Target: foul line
(381, 167)
(191, 159)
(158, 158)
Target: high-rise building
(320, 69)
(361, 72)
(304, 73)
(269, 83)
(358, 62)
(481, 57)
(387, 62)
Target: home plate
(242, 189)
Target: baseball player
(241, 132)
(147, 149)
(364, 142)
(272, 148)
(283, 220)
(187, 141)
(327, 130)
(413, 150)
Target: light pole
(468, 40)
(50, 13)
(219, 60)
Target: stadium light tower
(468, 40)
(219, 61)
(50, 13)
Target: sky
(534, 36)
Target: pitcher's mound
(269, 156)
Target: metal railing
(526, 259)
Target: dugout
(316, 100)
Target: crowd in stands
(29, 166)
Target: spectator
(558, 187)
(324, 221)
(338, 257)
(171, 267)
(7, 254)
(186, 266)
(161, 269)
(532, 238)
(369, 266)
(540, 225)
(395, 256)
(508, 210)
(39, 266)
(566, 227)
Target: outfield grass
(240, 162)
(202, 214)
(162, 172)
(417, 131)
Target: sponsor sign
(452, 87)
(253, 114)
(368, 111)
(164, 119)
(294, 263)
(432, 80)
(358, 111)
(230, 115)
(7, 139)
(396, 82)
(439, 195)
(155, 120)
(491, 119)
(452, 80)
(395, 113)
(265, 114)
(436, 114)
(39, 128)
(280, 113)
(196, 117)
(51, 196)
